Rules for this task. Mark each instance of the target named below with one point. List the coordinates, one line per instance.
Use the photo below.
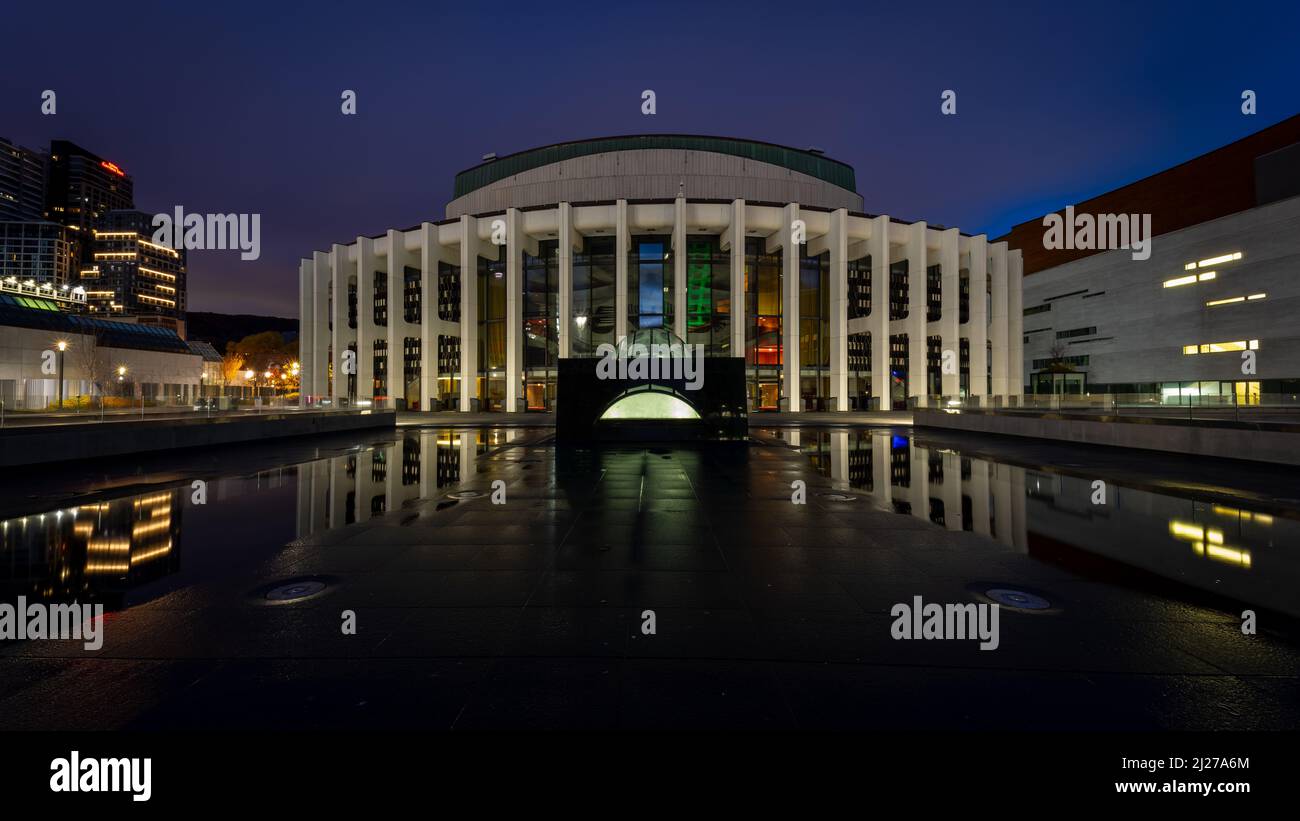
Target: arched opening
(649, 404)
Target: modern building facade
(36, 251)
(82, 188)
(22, 182)
(132, 275)
(1220, 282)
(749, 249)
(95, 356)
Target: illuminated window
(1221, 347)
(1174, 283)
(1232, 300)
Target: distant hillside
(222, 328)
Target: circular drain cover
(838, 497)
(1019, 599)
(461, 495)
(293, 591)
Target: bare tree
(92, 361)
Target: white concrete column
(428, 462)
(950, 294)
(789, 307)
(322, 282)
(999, 330)
(622, 245)
(430, 255)
(565, 251)
(367, 331)
(878, 319)
(734, 241)
(679, 267)
(838, 242)
(514, 311)
(343, 335)
(882, 471)
(469, 245)
(306, 332)
(977, 329)
(917, 259)
(839, 447)
(396, 331)
(1015, 323)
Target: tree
(1059, 363)
(92, 362)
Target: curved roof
(805, 162)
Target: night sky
(234, 107)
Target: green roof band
(814, 165)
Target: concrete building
(750, 249)
(46, 339)
(1209, 317)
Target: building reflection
(353, 487)
(939, 485)
(1246, 555)
(96, 550)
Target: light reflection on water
(130, 548)
(1227, 548)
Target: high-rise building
(81, 189)
(132, 275)
(36, 252)
(22, 182)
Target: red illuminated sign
(113, 167)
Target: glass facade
(814, 330)
(649, 283)
(491, 381)
(763, 339)
(708, 295)
(594, 273)
(540, 332)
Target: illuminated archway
(649, 404)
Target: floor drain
(462, 495)
(838, 497)
(1014, 598)
(295, 591)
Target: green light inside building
(650, 405)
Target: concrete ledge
(38, 444)
(1277, 444)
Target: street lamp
(62, 346)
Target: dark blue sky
(234, 107)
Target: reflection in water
(93, 549)
(1247, 555)
(113, 546)
(134, 544)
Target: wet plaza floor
(497, 581)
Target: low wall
(30, 445)
(1258, 442)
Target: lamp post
(62, 346)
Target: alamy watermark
(67, 622)
(1098, 232)
(946, 621)
(682, 361)
(210, 232)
